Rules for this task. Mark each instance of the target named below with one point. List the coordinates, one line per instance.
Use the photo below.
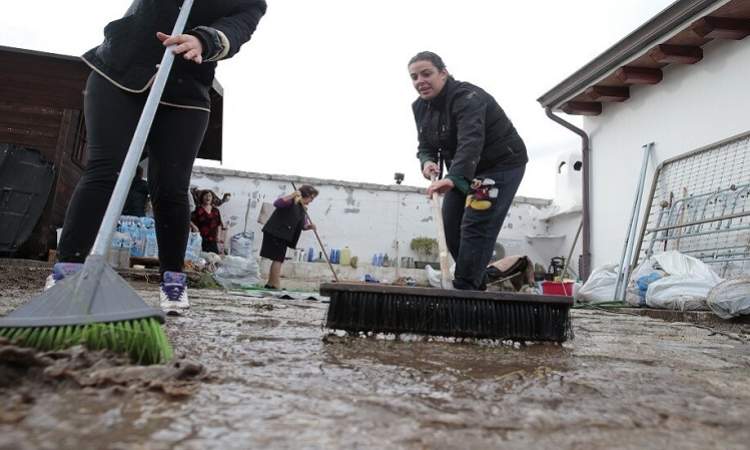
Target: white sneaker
(173, 296)
(60, 271)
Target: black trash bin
(25, 182)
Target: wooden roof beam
(608, 93)
(582, 108)
(639, 75)
(722, 28)
(676, 54)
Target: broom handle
(320, 243)
(133, 157)
(437, 214)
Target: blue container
(310, 254)
(336, 256)
(331, 257)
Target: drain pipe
(586, 220)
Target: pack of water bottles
(194, 248)
(141, 232)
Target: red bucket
(557, 288)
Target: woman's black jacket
(465, 128)
(130, 53)
(286, 223)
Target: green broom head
(95, 308)
(450, 313)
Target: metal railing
(700, 205)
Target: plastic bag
(679, 293)
(646, 273)
(194, 247)
(435, 277)
(235, 272)
(241, 244)
(600, 287)
(730, 298)
(685, 285)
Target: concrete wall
(368, 218)
(694, 106)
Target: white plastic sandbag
(600, 287)
(730, 298)
(678, 293)
(241, 244)
(235, 272)
(685, 285)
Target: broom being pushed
(462, 126)
(123, 67)
(86, 302)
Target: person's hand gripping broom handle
(133, 157)
(320, 243)
(437, 215)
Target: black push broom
(96, 307)
(447, 312)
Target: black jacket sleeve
(469, 112)
(237, 26)
(425, 152)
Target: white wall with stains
(368, 218)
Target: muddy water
(275, 380)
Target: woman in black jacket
(284, 228)
(463, 127)
(123, 69)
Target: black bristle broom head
(450, 313)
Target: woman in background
(206, 220)
(284, 228)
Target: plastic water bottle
(123, 254)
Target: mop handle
(133, 157)
(437, 215)
(320, 243)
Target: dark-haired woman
(283, 228)
(461, 126)
(123, 69)
(206, 220)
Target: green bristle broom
(96, 307)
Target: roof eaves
(670, 21)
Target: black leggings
(176, 134)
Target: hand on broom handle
(320, 243)
(437, 215)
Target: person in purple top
(284, 228)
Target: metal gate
(700, 205)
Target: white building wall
(694, 106)
(368, 218)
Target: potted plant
(427, 249)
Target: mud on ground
(262, 373)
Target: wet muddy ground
(259, 373)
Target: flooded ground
(265, 374)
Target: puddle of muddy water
(276, 379)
